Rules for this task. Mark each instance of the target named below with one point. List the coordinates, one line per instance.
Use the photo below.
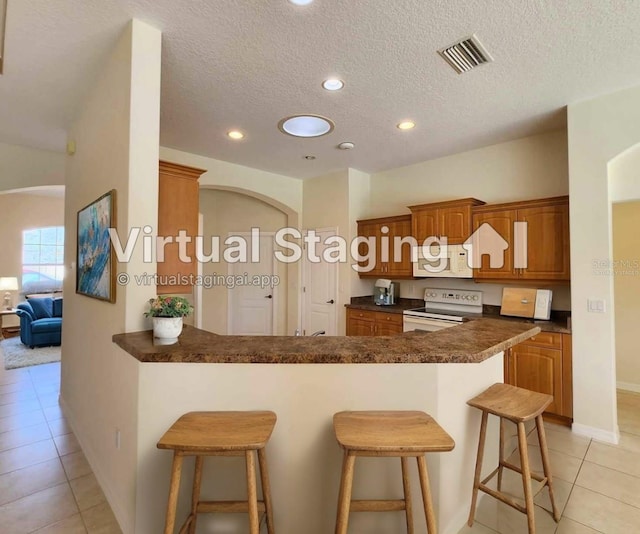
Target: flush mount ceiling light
(306, 126)
(236, 135)
(406, 125)
(300, 2)
(333, 84)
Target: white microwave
(450, 261)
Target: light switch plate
(596, 306)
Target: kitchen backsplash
(492, 293)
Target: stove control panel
(453, 296)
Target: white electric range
(443, 308)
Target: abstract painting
(95, 266)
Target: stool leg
(542, 438)
(252, 493)
(266, 489)
(526, 477)
(407, 493)
(476, 478)
(344, 500)
(426, 495)
(195, 496)
(174, 486)
(501, 454)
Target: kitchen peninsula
(305, 380)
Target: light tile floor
(47, 487)
(46, 484)
(597, 485)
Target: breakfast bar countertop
(471, 342)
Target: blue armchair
(40, 321)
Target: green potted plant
(167, 313)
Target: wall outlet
(596, 306)
(118, 442)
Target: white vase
(167, 327)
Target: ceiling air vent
(466, 54)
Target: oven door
(411, 323)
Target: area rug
(18, 355)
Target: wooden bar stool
(519, 406)
(388, 433)
(203, 434)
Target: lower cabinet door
(359, 327)
(388, 328)
(537, 369)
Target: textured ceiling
(248, 63)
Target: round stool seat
(219, 431)
(390, 431)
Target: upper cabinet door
(500, 221)
(402, 268)
(424, 224)
(547, 242)
(454, 223)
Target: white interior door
(252, 307)
(320, 291)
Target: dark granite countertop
(471, 342)
(557, 324)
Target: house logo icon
(487, 241)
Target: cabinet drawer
(362, 315)
(546, 339)
(390, 318)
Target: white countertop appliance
(443, 308)
(450, 262)
(385, 292)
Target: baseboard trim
(628, 386)
(91, 457)
(598, 434)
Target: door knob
(330, 301)
(269, 297)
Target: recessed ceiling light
(306, 126)
(236, 135)
(406, 125)
(347, 145)
(333, 84)
(301, 2)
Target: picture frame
(95, 258)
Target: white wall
(225, 212)
(117, 133)
(626, 257)
(22, 167)
(599, 130)
(532, 167)
(274, 188)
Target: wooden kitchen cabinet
(386, 267)
(544, 364)
(373, 323)
(547, 240)
(452, 219)
(178, 208)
